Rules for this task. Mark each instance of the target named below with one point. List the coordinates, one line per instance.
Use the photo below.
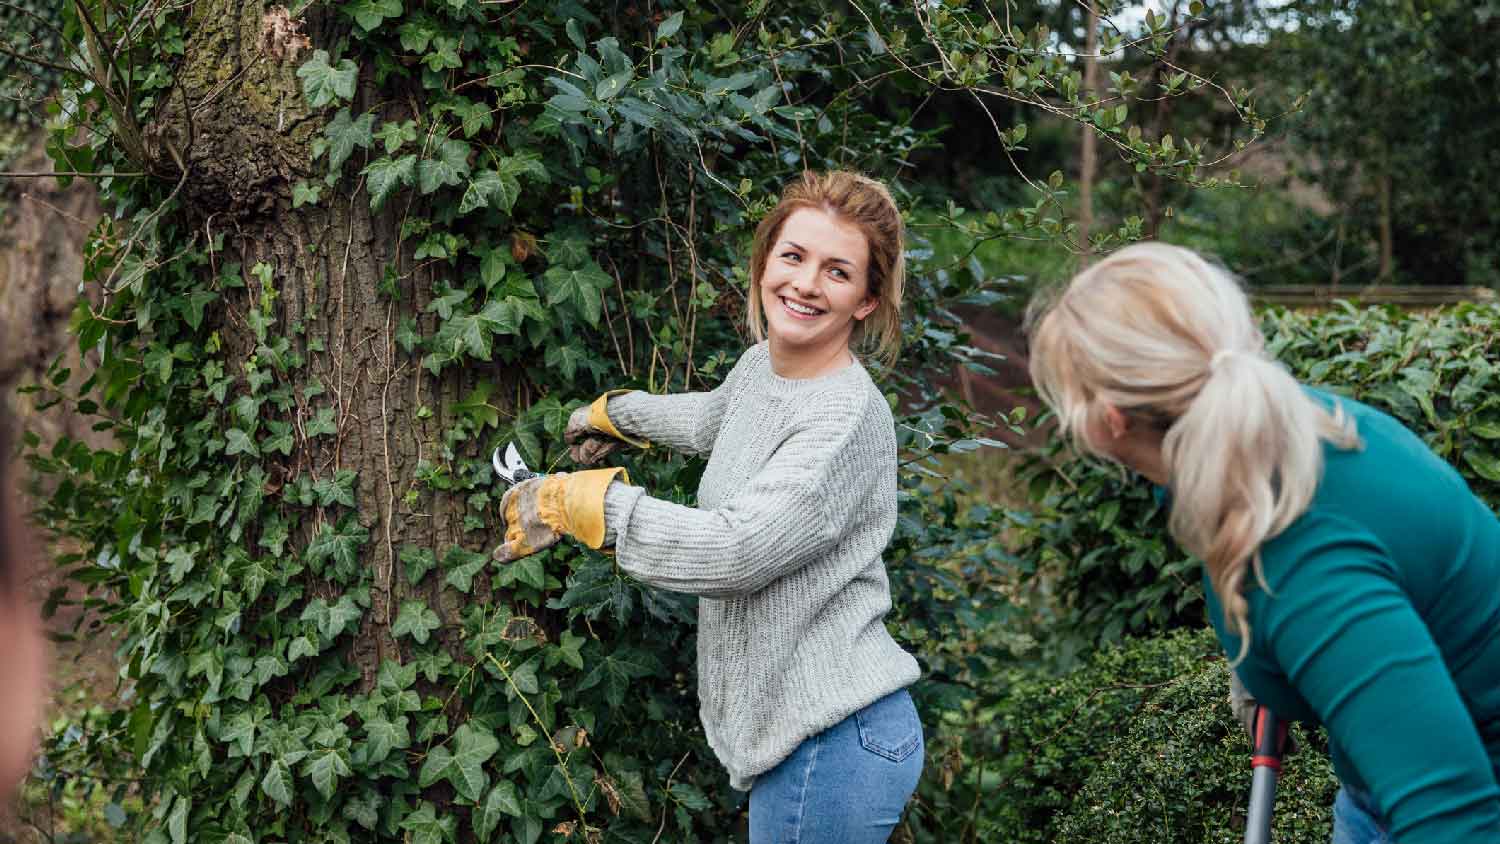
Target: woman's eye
(791, 256)
(839, 274)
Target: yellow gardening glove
(540, 511)
(590, 435)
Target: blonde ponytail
(1169, 339)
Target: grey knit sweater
(794, 510)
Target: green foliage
(1097, 538)
(570, 197)
(28, 28)
(1391, 129)
(1137, 744)
(1179, 771)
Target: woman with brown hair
(1351, 572)
(802, 690)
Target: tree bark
(249, 140)
(1387, 239)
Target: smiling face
(814, 288)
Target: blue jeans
(845, 785)
(1355, 820)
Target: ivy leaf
(280, 437)
(418, 562)
(426, 828)
(501, 187)
(384, 735)
(323, 83)
(492, 266)
(464, 334)
(324, 768)
(504, 315)
(565, 358)
(364, 809)
(369, 14)
(416, 35)
(305, 193)
(462, 565)
(529, 570)
(490, 190)
(445, 303)
(502, 799)
(322, 423)
(338, 489)
(196, 302)
(616, 671)
(464, 765)
(341, 545)
(384, 175)
(239, 442)
(447, 167)
(475, 115)
(406, 334)
(331, 620)
(580, 286)
(277, 783)
(344, 134)
(415, 620)
(443, 55)
(239, 733)
(690, 796)
(395, 677)
(301, 648)
(570, 649)
(177, 820)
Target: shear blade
(511, 465)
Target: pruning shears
(511, 467)
(1270, 743)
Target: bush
(1137, 744)
(1180, 771)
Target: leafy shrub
(1136, 744)
(1179, 771)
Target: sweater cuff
(619, 503)
(599, 419)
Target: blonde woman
(802, 690)
(1353, 574)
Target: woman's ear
(1116, 421)
(867, 307)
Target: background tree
(1391, 131)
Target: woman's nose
(805, 282)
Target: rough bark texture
(42, 230)
(249, 141)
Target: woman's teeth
(797, 307)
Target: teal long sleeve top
(1383, 624)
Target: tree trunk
(1088, 152)
(249, 142)
(1387, 240)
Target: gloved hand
(1244, 705)
(591, 436)
(540, 511)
